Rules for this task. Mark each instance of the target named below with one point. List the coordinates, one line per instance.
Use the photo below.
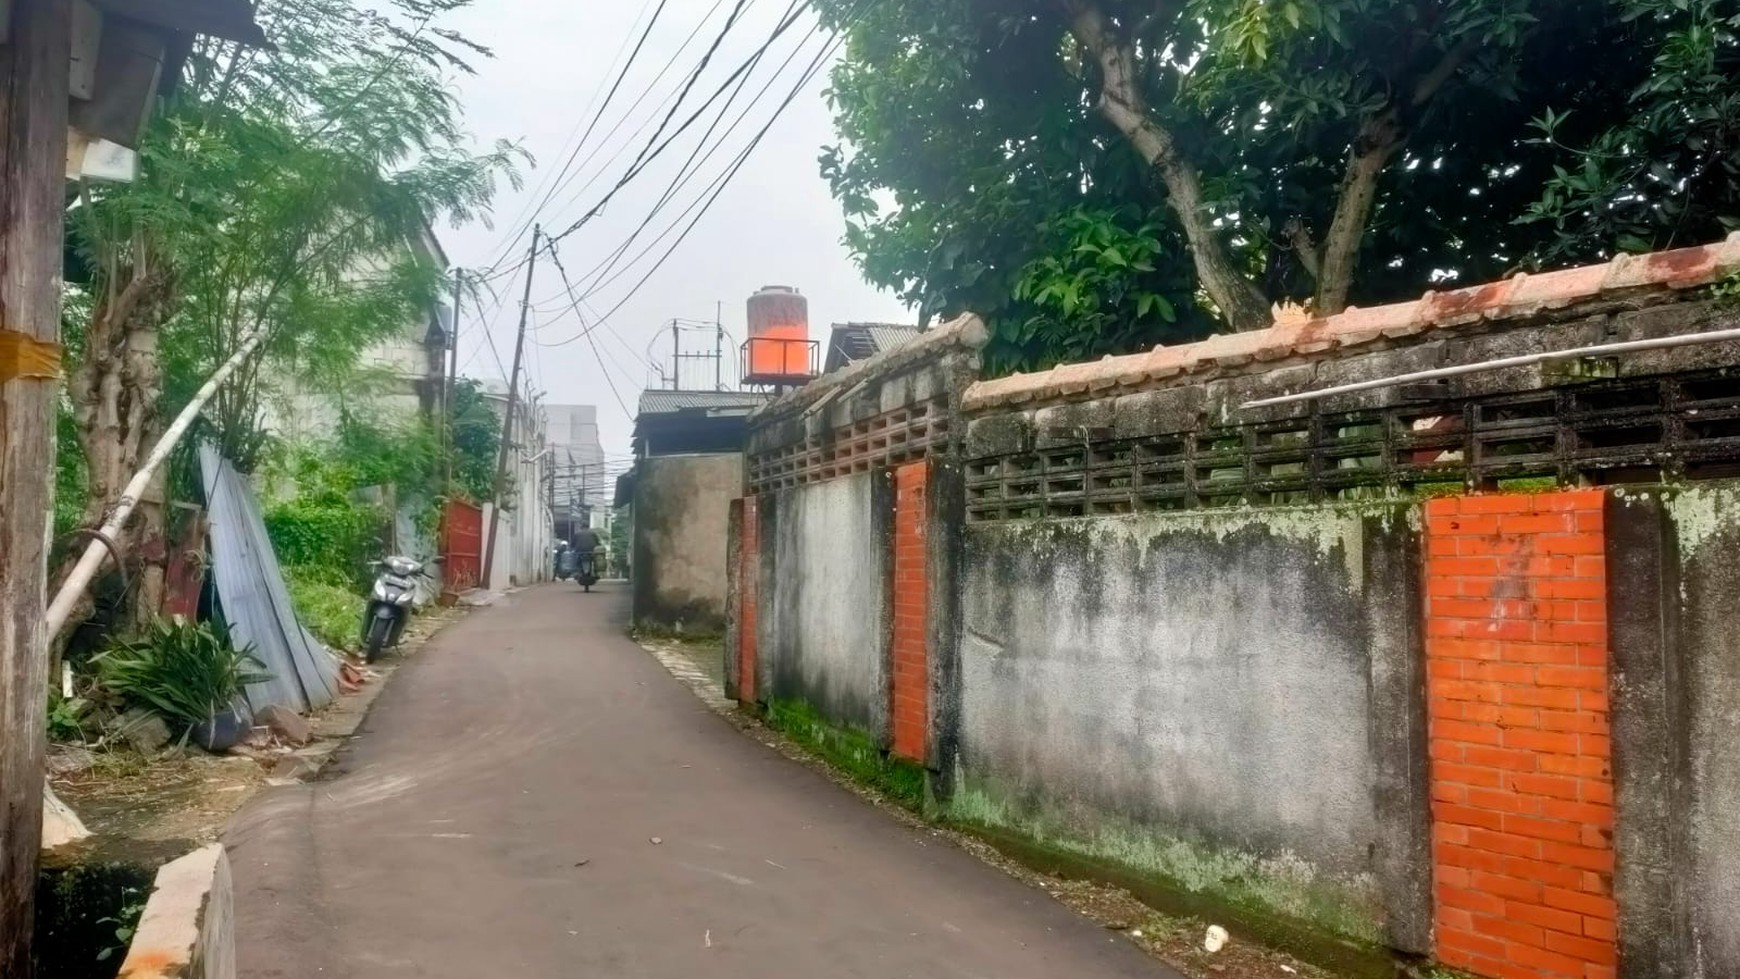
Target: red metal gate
(461, 547)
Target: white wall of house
(525, 533)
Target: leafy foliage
(327, 540)
(1666, 170)
(332, 612)
(1319, 150)
(186, 672)
(328, 532)
(476, 443)
(66, 718)
(1095, 290)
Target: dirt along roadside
(1179, 941)
(180, 798)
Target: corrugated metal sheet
(667, 402)
(256, 604)
(890, 337)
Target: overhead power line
(717, 188)
(524, 221)
(655, 147)
(556, 258)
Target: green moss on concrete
(851, 751)
(85, 915)
(1192, 875)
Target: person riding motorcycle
(586, 543)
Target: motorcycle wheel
(377, 640)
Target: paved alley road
(495, 816)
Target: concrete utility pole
(719, 346)
(449, 395)
(507, 422)
(676, 357)
(35, 56)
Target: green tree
(476, 444)
(1319, 150)
(283, 190)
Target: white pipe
(1522, 360)
(96, 552)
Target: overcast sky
(775, 223)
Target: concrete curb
(188, 929)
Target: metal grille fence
(1616, 431)
(906, 434)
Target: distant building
(525, 542)
(852, 342)
(578, 482)
(400, 378)
(688, 448)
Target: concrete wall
(823, 606)
(1228, 701)
(1675, 586)
(681, 524)
(188, 928)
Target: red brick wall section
(1522, 790)
(911, 676)
(748, 585)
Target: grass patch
(654, 632)
(851, 752)
(331, 612)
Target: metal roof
(853, 342)
(661, 402)
(256, 603)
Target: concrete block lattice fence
(1443, 675)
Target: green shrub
(185, 672)
(66, 718)
(332, 612)
(334, 541)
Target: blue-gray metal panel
(256, 603)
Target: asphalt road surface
(496, 816)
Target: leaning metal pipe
(97, 551)
(1523, 360)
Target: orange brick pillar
(748, 587)
(1522, 789)
(911, 606)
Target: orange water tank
(779, 336)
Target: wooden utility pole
(35, 51)
(507, 422)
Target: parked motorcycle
(389, 605)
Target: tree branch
(1298, 238)
(1380, 136)
(1441, 73)
(1121, 103)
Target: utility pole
(719, 346)
(507, 423)
(34, 73)
(676, 357)
(450, 391)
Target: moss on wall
(850, 751)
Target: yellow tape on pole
(22, 355)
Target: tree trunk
(114, 393)
(1240, 301)
(1379, 138)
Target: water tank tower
(779, 350)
